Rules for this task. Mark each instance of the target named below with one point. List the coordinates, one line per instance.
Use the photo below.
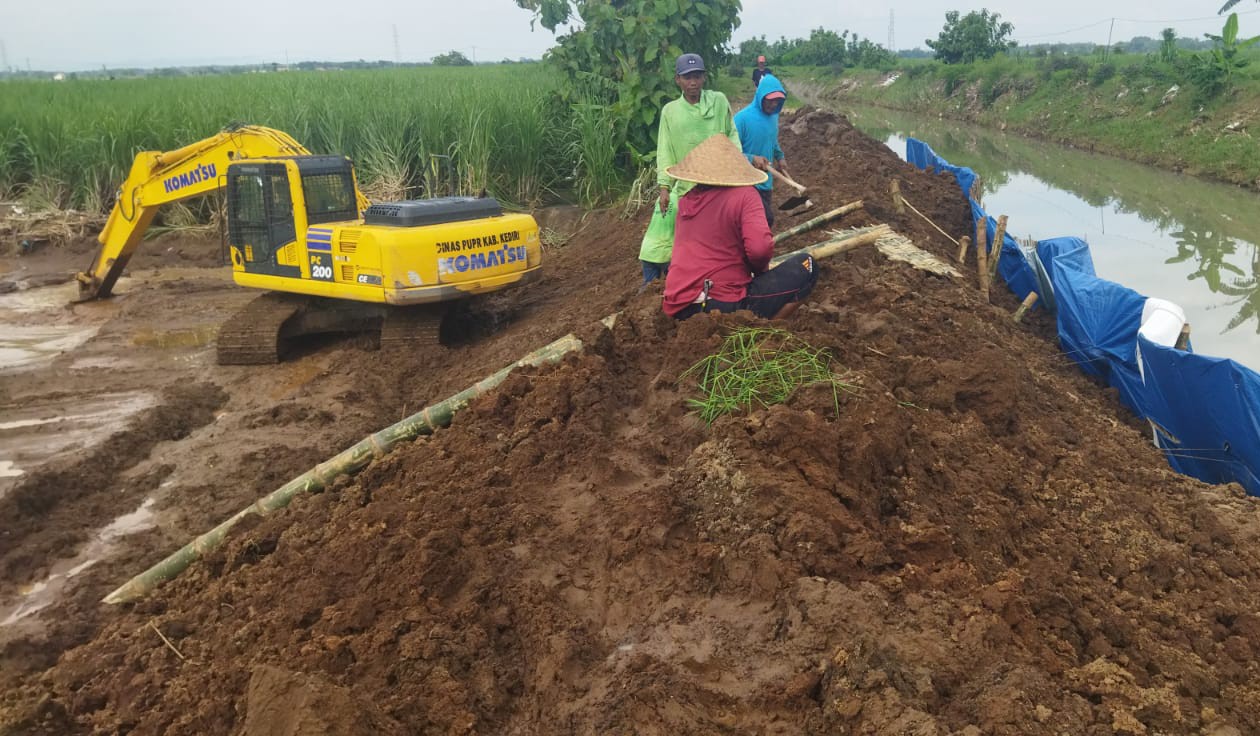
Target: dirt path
(978, 541)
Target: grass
(71, 143)
(1112, 106)
(759, 367)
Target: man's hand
(664, 200)
(781, 165)
(761, 162)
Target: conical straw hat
(717, 162)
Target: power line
(1184, 20)
(1072, 30)
(1132, 20)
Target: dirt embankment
(979, 540)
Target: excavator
(330, 260)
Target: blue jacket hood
(769, 83)
(759, 132)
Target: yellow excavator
(298, 226)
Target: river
(1162, 234)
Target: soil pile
(975, 541)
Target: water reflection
(1146, 227)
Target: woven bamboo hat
(717, 162)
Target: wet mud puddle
(38, 596)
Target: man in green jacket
(685, 122)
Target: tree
(453, 58)
(822, 48)
(971, 37)
(624, 50)
(752, 48)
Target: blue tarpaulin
(1205, 412)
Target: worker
(685, 122)
(760, 71)
(758, 127)
(722, 243)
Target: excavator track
(407, 328)
(254, 335)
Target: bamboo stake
(348, 462)
(1025, 305)
(982, 257)
(998, 237)
(929, 221)
(899, 204)
(820, 220)
(1183, 340)
(964, 245)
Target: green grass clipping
(759, 367)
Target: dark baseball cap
(688, 63)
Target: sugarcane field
(578, 396)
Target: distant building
(59, 77)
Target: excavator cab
(262, 216)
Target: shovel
(791, 203)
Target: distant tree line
(822, 48)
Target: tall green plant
(632, 45)
(1168, 45)
(1213, 70)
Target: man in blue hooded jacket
(758, 126)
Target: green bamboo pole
(817, 221)
(846, 241)
(347, 462)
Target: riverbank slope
(1127, 109)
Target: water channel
(1162, 234)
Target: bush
(1102, 73)
(1054, 67)
(954, 77)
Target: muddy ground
(977, 539)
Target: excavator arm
(159, 178)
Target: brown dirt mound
(976, 542)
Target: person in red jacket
(722, 244)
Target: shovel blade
(792, 203)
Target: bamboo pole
(964, 245)
(817, 221)
(348, 462)
(835, 246)
(899, 204)
(1025, 305)
(982, 256)
(998, 237)
(1183, 340)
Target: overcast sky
(87, 34)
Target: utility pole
(1107, 51)
(892, 43)
(474, 50)
(397, 58)
(4, 57)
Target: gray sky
(86, 34)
